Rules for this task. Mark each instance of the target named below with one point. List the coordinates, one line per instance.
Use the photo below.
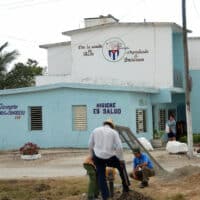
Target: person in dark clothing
(106, 148)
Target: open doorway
(181, 121)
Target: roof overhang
(175, 27)
(194, 38)
(79, 86)
(165, 95)
(51, 45)
(177, 90)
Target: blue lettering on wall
(106, 108)
(10, 110)
(96, 111)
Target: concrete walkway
(68, 162)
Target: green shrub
(157, 134)
(196, 138)
(183, 139)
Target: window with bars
(141, 121)
(36, 118)
(79, 117)
(162, 119)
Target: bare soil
(59, 175)
(132, 195)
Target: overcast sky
(26, 24)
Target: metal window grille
(36, 118)
(141, 121)
(162, 119)
(79, 118)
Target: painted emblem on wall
(114, 49)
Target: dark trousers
(144, 174)
(101, 165)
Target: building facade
(139, 54)
(194, 61)
(130, 72)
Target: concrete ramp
(131, 140)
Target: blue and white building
(194, 59)
(130, 72)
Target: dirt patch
(5, 198)
(41, 187)
(182, 172)
(180, 184)
(182, 188)
(132, 195)
(44, 189)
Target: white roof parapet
(177, 90)
(101, 16)
(100, 20)
(194, 38)
(79, 86)
(46, 46)
(174, 26)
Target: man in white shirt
(106, 149)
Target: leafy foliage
(23, 75)
(5, 59)
(196, 138)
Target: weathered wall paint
(57, 116)
(195, 99)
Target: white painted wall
(59, 60)
(163, 69)
(49, 79)
(193, 50)
(154, 71)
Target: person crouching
(142, 168)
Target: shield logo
(113, 54)
(114, 49)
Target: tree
(5, 59)
(23, 75)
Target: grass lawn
(71, 188)
(51, 189)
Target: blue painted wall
(195, 100)
(164, 96)
(178, 59)
(57, 116)
(179, 100)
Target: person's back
(106, 148)
(105, 141)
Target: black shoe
(144, 184)
(125, 190)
